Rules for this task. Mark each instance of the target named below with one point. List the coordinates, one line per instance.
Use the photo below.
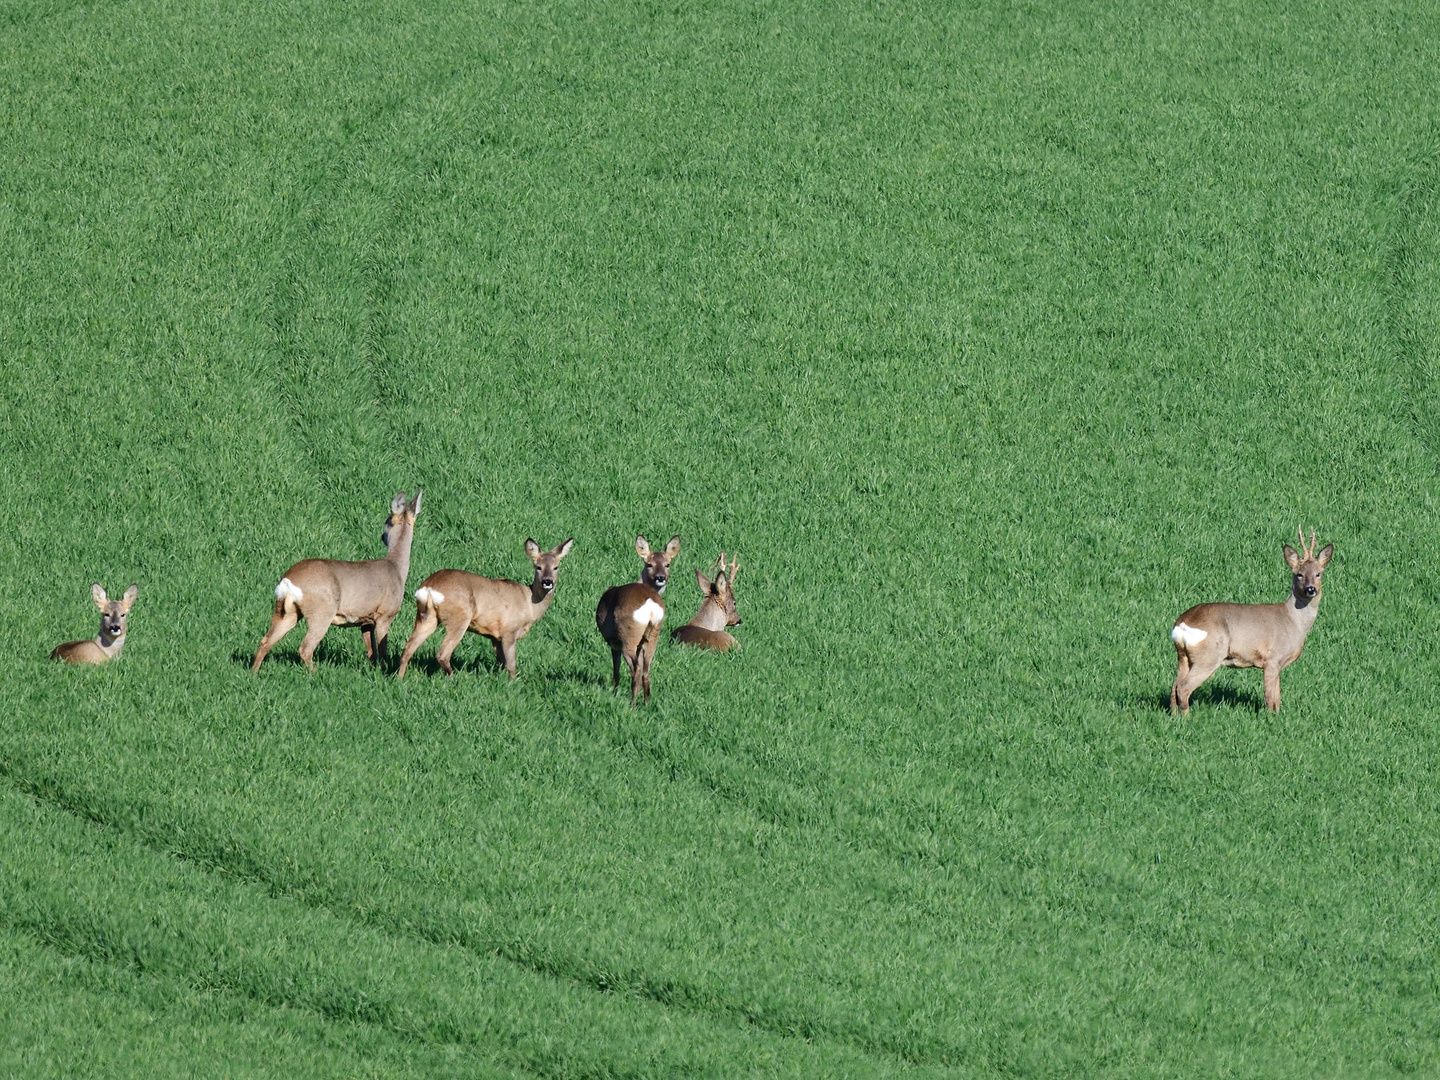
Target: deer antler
(1300, 532)
(734, 570)
(1312, 543)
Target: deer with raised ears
(107, 644)
(1268, 636)
(503, 611)
(332, 592)
(707, 629)
(629, 616)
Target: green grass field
(990, 336)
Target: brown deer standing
(503, 611)
(707, 629)
(629, 616)
(107, 644)
(1268, 636)
(332, 592)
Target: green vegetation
(991, 337)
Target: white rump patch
(427, 595)
(650, 614)
(288, 590)
(1187, 635)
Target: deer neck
(539, 598)
(110, 646)
(399, 553)
(711, 616)
(1302, 610)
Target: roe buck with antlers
(107, 644)
(1268, 636)
(503, 611)
(332, 592)
(629, 616)
(707, 629)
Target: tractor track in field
(237, 865)
(1412, 264)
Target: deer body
(107, 644)
(334, 592)
(503, 611)
(629, 616)
(707, 630)
(1267, 636)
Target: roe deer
(328, 592)
(707, 629)
(629, 616)
(1268, 636)
(503, 611)
(107, 644)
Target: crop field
(990, 336)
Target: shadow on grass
(1206, 695)
(580, 677)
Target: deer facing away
(707, 629)
(107, 644)
(629, 616)
(503, 611)
(332, 592)
(1268, 636)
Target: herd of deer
(368, 594)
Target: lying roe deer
(332, 592)
(707, 629)
(1268, 636)
(107, 644)
(503, 611)
(629, 616)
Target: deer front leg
(381, 634)
(1272, 686)
(507, 654)
(367, 635)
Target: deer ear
(705, 583)
(128, 599)
(564, 549)
(1290, 557)
(97, 593)
(721, 584)
(673, 547)
(415, 504)
(397, 504)
(533, 550)
(1324, 557)
(642, 547)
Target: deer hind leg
(453, 633)
(1183, 662)
(1201, 668)
(615, 661)
(317, 624)
(281, 623)
(1272, 686)
(424, 626)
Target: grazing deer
(1268, 636)
(331, 592)
(503, 611)
(629, 616)
(107, 644)
(707, 629)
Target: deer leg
(424, 627)
(633, 661)
(367, 635)
(381, 634)
(315, 629)
(1199, 672)
(453, 634)
(615, 659)
(507, 651)
(1183, 661)
(1272, 686)
(281, 623)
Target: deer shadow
(1206, 694)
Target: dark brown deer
(107, 644)
(707, 629)
(1268, 636)
(503, 611)
(629, 616)
(332, 592)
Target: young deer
(503, 611)
(1268, 636)
(629, 616)
(107, 644)
(331, 592)
(707, 629)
